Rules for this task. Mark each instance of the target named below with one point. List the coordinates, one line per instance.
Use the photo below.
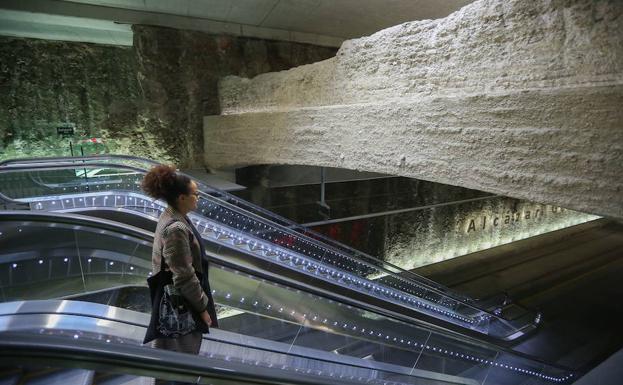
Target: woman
(178, 242)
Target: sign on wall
(66, 129)
(430, 236)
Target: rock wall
(179, 72)
(519, 98)
(147, 100)
(425, 237)
(49, 83)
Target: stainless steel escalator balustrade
(314, 321)
(220, 362)
(227, 224)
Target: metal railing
(224, 218)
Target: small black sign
(65, 129)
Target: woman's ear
(180, 200)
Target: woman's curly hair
(163, 182)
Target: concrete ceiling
(322, 22)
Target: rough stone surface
(179, 72)
(520, 98)
(46, 83)
(147, 100)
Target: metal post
(323, 179)
(325, 210)
(86, 178)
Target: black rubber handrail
(50, 350)
(241, 203)
(429, 284)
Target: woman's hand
(205, 316)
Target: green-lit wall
(47, 84)
(146, 100)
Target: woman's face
(188, 202)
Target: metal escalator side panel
(227, 348)
(342, 319)
(287, 230)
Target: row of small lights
(216, 233)
(235, 221)
(398, 340)
(339, 255)
(444, 301)
(409, 290)
(229, 358)
(401, 341)
(211, 206)
(329, 374)
(439, 350)
(387, 293)
(284, 257)
(66, 260)
(136, 186)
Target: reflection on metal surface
(223, 226)
(54, 320)
(278, 311)
(51, 184)
(230, 347)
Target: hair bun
(163, 182)
(159, 180)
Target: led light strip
(133, 201)
(229, 237)
(135, 185)
(399, 341)
(314, 320)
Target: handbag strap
(202, 251)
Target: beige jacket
(183, 257)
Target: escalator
(109, 187)
(75, 285)
(90, 359)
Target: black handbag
(171, 315)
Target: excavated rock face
(520, 98)
(178, 72)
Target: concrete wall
(519, 98)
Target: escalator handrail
(269, 214)
(14, 165)
(145, 235)
(133, 359)
(215, 259)
(440, 292)
(227, 337)
(517, 330)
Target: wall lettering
(482, 222)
